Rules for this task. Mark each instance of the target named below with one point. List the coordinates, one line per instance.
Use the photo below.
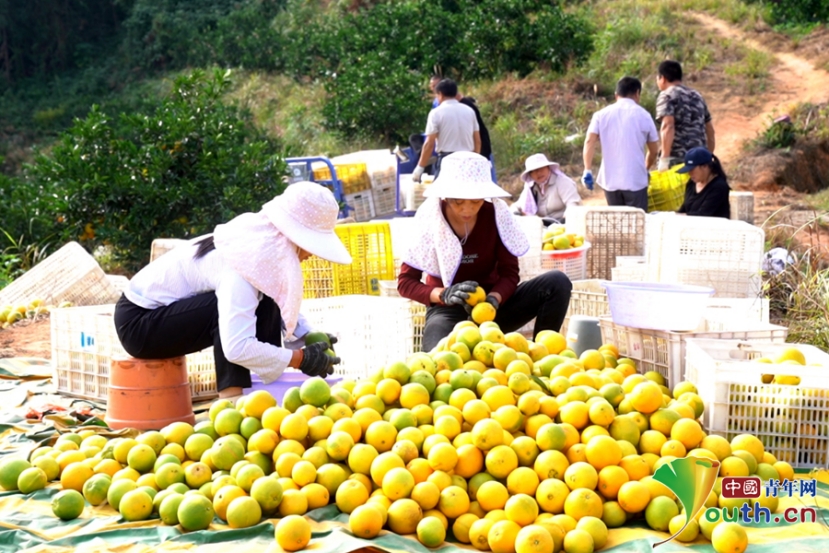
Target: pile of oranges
(515, 445)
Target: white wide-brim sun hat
(465, 176)
(536, 161)
(306, 213)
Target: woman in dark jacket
(706, 193)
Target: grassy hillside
(314, 77)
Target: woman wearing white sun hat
(467, 242)
(238, 290)
(547, 190)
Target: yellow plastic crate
(370, 247)
(666, 189)
(353, 176)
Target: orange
(366, 521)
(351, 494)
(470, 461)
(502, 536)
(581, 475)
(492, 495)
(453, 502)
(381, 435)
(479, 532)
(521, 509)
(382, 464)
(689, 433)
(487, 434)
(635, 466)
(633, 497)
(583, 503)
(403, 516)
(603, 451)
(522, 480)
(501, 461)
(551, 494)
(292, 533)
(534, 539)
(483, 312)
(610, 480)
(551, 464)
(426, 494)
(431, 531)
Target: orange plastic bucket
(148, 394)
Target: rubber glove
(418, 172)
(587, 179)
(457, 294)
(493, 301)
(315, 362)
(664, 164)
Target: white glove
(417, 173)
(664, 164)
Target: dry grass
(799, 296)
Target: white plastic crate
(742, 206)
(119, 283)
(384, 199)
(589, 298)
(664, 351)
(572, 262)
(529, 264)
(160, 246)
(70, 274)
(612, 230)
(83, 344)
(372, 331)
(412, 192)
(418, 311)
(707, 251)
(361, 204)
(791, 421)
(388, 288)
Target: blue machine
(301, 170)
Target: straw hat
(465, 176)
(535, 161)
(306, 213)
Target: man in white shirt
(624, 129)
(451, 127)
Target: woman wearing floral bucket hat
(468, 239)
(239, 290)
(547, 190)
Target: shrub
(177, 171)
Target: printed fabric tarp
(27, 524)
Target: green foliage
(25, 231)
(178, 170)
(47, 36)
(375, 61)
(778, 134)
(164, 34)
(798, 11)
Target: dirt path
(792, 79)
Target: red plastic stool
(148, 394)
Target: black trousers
(188, 326)
(545, 298)
(638, 198)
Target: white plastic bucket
(655, 306)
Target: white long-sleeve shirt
(177, 275)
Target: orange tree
(175, 171)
